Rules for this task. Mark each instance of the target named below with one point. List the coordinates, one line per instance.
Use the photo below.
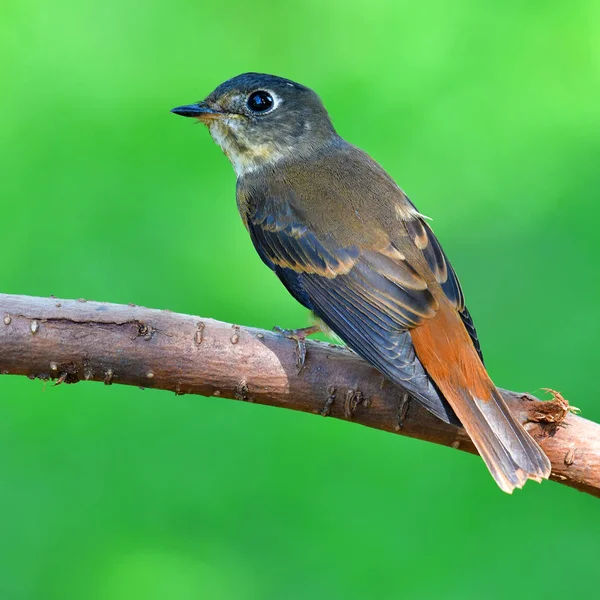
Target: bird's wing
(395, 300)
(425, 240)
(371, 297)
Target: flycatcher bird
(350, 246)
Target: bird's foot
(403, 408)
(299, 336)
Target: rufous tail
(449, 357)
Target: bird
(350, 246)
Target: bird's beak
(200, 110)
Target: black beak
(200, 110)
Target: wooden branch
(75, 340)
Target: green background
(486, 114)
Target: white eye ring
(262, 102)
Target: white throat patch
(223, 133)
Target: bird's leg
(299, 336)
(403, 408)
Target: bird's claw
(299, 336)
(403, 408)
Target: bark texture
(75, 340)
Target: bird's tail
(449, 357)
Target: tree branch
(74, 340)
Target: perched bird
(350, 246)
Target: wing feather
(371, 297)
(425, 240)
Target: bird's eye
(260, 101)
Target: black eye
(260, 101)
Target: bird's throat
(244, 157)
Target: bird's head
(259, 120)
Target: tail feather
(449, 357)
(519, 444)
(510, 453)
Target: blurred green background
(486, 114)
